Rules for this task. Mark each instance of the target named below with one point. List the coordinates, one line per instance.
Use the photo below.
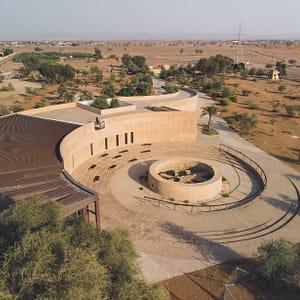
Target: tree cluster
(57, 73)
(135, 64)
(102, 102)
(139, 85)
(214, 65)
(43, 256)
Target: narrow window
(106, 143)
(126, 138)
(117, 140)
(92, 150)
(131, 138)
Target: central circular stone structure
(185, 179)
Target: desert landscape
(276, 132)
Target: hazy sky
(117, 19)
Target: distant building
(274, 75)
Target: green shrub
(225, 102)
(114, 103)
(16, 107)
(31, 91)
(7, 88)
(3, 110)
(38, 105)
(226, 93)
(233, 98)
(291, 110)
(281, 88)
(170, 88)
(246, 92)
(252, 105)
(100, 102)
(279, 260)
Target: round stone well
(185, 179)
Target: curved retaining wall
(119, 131)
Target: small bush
(7, 88)
(16, 107)
(170, 88)
(31, 91)
(252, 105)
(233, 98)
(281, 88)
(291, 110)
(3, 110)
(246, 93)
(114, 103)
(38, 105)
(226, 93)
(100, 102)
(225, 102)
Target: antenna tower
(239, 48)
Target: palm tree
(210, 111)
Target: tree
(135, 64)
(247, 123)
(109, 91)
(210, 111)
(57, 73)
(85, 95)
(279, 260)
(98, 53)
(269, 67)
(226, 93)
(281, 67)
(44, 256)
(127, 91)
(252, 72)
(98, 78)
(101, 102)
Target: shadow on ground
(210, 251)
